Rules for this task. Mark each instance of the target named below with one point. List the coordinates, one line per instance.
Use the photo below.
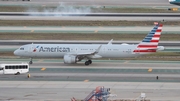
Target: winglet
(98, 49)
(110, 42)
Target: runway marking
(43, 69)
(95, 31)
(126, 62)
(40, 60)
(86, 80)
(28, 95)
(32, 31)
(150, 70)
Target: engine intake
(70, 59)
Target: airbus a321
(73, 53)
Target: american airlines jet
(73, 53)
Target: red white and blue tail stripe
(150, 43)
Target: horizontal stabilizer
(110, 42)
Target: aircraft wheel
(87, 63)
(30, 62)
(17, 73)
(90, 61)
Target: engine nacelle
(70, 59)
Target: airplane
(175, 2)
(73, 53)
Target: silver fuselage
(59, 50)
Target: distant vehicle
(15, 69)
(73, 53)
(175, 2)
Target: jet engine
(70, 59)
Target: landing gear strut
(30, 62)
(88, 62)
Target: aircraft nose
(16, 52)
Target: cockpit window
(21, 48)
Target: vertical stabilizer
(151, 41)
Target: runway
(123, 3)
(100, 70)
(84, 18)
(63, 91)
(12, 44)
(57, 14)
(86, 29)
(60, 82)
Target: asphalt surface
(85, 18)
(123, 3)
(87, 29)
(62, 91)
(16, 43)
(60, 82)
(89, 14)
(100, 70)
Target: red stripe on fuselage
(147, 45)
(153, 50)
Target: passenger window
(1, 68)
(6, 67)
(22, 48)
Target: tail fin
(151, 41)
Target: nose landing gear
(31, 62)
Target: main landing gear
(88, 62)
(30, 62)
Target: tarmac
(87, 29)
(127, 79)
(121, 3)
(63, 91)
(60, 82)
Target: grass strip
(82, 36)
(81, 23)
(84, 9)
